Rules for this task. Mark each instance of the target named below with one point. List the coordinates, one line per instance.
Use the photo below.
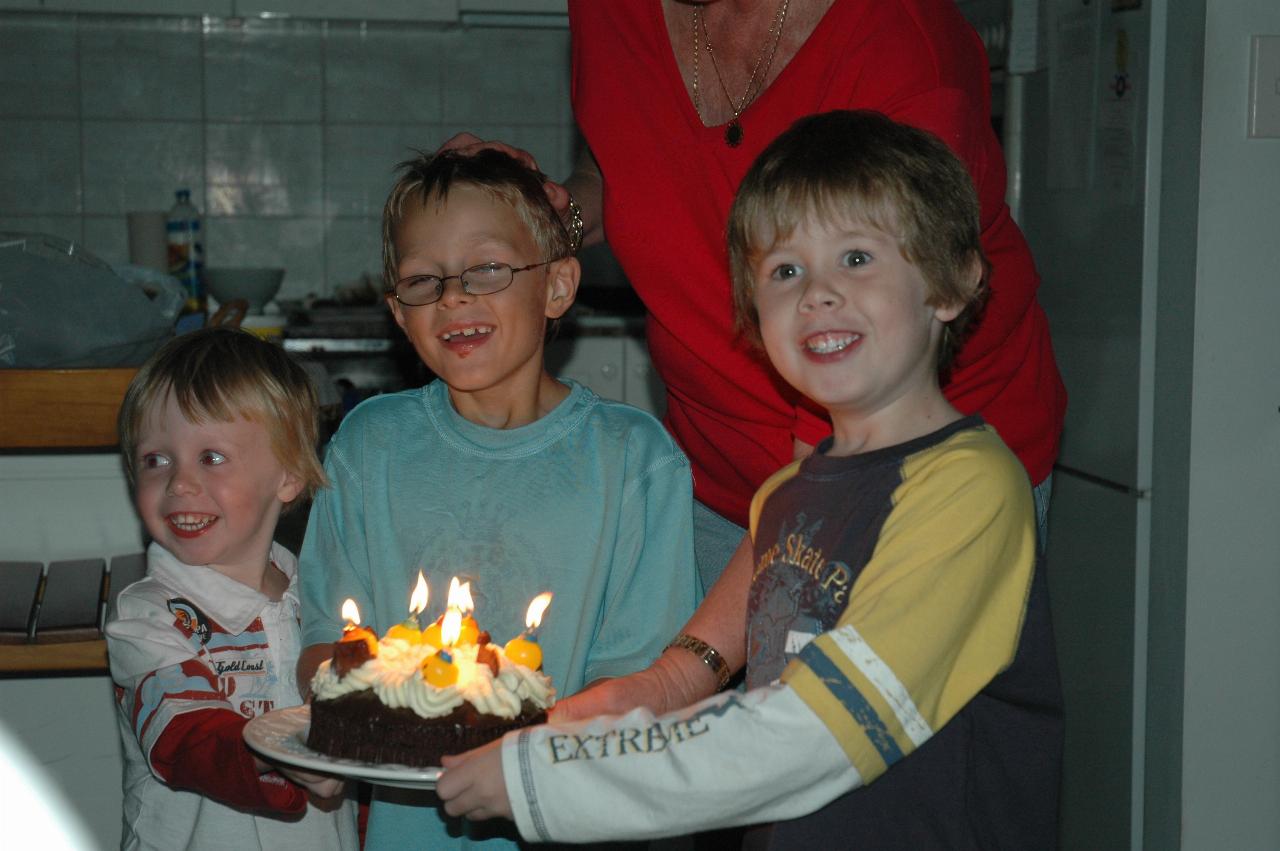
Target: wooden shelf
(60, 408)
(61, 658)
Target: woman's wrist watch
(708, 654)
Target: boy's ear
(290, 487)
(562, 286)
(394, 307)
(972, 277)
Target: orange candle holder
(524, 650)
(438, 669)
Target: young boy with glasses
(496, 471)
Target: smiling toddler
(218, 434)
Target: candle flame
(351, 612)
(533, 618)
(418, 600)
(451, 627)
(460, 596)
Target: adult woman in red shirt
(675, 100)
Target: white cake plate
(281, 736)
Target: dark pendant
(733, 134)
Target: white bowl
(257, 286)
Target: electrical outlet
(1264, 88)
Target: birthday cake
(408, 701)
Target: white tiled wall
(285, 130)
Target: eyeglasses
(485, 279)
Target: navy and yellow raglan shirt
(898, 633)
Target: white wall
(68, 727)
(1231, 732)
(285, 130)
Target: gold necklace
(755, 83)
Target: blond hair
(428, 177)
(860, 166)
(224, 374)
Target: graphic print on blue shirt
(797, 594)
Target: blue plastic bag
(63, 308)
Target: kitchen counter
(599, 342)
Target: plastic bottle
(186, 251)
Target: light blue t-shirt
(593, 502)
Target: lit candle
(353, 631)
(469, 630)
(459, 601)
(438, 669)
(524, 649)
(411, 629)
(351, 614)
(431, 635)
(358, 643)
(451, 627)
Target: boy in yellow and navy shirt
(902, 684)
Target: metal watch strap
(708, 654)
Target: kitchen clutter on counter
(256, 285)
(184, 239)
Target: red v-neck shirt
(669, 182)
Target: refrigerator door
(1084, 211)
(1092, 584)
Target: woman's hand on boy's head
(471, 144)
(472, 785)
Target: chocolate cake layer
(359, 726)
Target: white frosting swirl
(395, 677)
